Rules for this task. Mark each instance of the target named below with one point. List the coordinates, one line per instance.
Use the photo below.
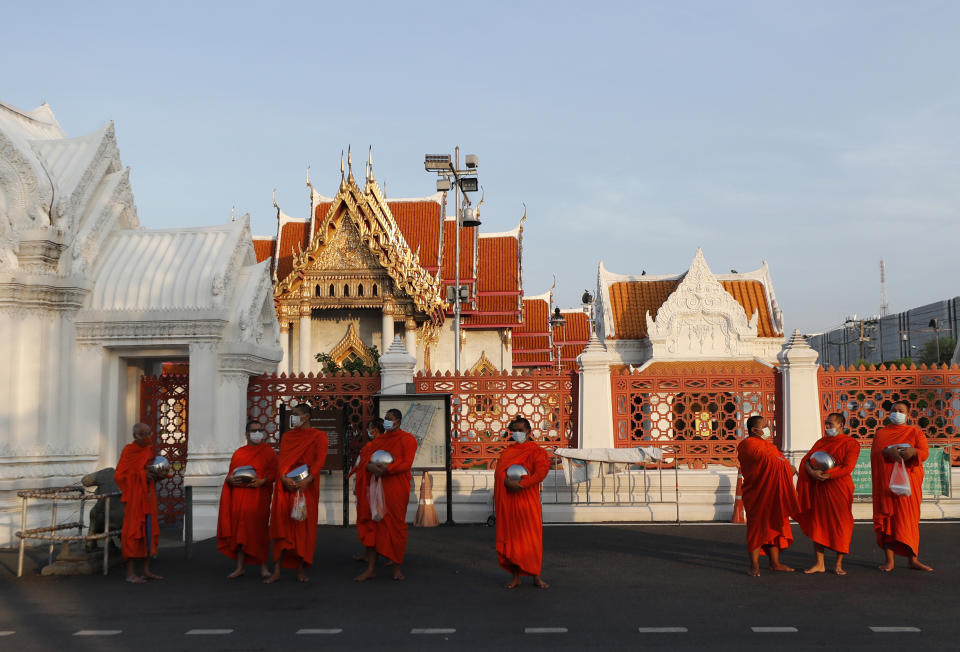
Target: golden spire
(350, 165)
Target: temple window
(374, 292)
(331, 290)
(317, 292)
(360, 290)
(346, 290)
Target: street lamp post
(558, 321)
(463, 181)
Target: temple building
(364, 269)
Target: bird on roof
(733, 271)
(643, 273)
(587, 297)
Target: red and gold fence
(482, 406)
(163, 407)
(352, 393)
(697, 409)
(864, 397)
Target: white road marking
(9, 632)
(544, 630)
(774, 630)
(888, 630)
(97, 632)
(433, 630)
(209, 632)
(663, 630)
(319, 631)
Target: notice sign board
(936, 475)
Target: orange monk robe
(139, 496)
(519, 513)
(896, 519)
(826, 507)
(245, 512)
(769, 498)
(388, 535)
(294, 541)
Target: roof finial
(233, 213)
(341, 165)
(483, 194)
(275, 191)
(370, 164)
(349, 164)
(524, 218)
(309, 185)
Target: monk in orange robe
(294, 540)
(518, 509)
(243, 527)
(896, 519)
(388, 535)
(826, 497)
(140, 533)
(769, 498)
(365, 527)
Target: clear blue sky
(820, 136)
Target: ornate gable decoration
(484, 366)
(700, 319)
(351, 344)
(379, 241)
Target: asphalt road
(686, 585)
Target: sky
(818, 136)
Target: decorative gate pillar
(396, 368)
(801, 402)
(285, 347)
(306, 360)
(411, 336)
(596, 402)
(386, 326)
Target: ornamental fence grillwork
(483, 405)
(268, 397)
(697, 414)
(864, 396)
(163, 407)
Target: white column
(284, 367)
(88, 378)
(306, 359)
(396, 368)
(800, 420)
(386, 327)
(411, 336)
(596, 403)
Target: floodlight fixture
(471, 161)
(436, 162)
(469, 184)
(443, 184)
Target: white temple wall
(475, 343)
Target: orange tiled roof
(263, 248)
(449, 252)
(291, 235)
(630, 301)
(419, 221)
(498, 283)
(531, 339)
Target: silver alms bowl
(159, 466)
(822, 461)
(516, 472)
(381, 457)
(246, 473)
(299, 473)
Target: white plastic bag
(299, 510)
(900, 480)
(377, 507)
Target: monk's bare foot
(152, 576)
(364, 576)
(237, 573)
(302, 577)
(838, 570)
(781, 568)
(398, 574)
(264, 572)
(754, 572)
(135, 579)
(388, 563)
(514, 583)
(885, 568)
(539, 583)
(272, 577)
(915, 564)
(360, 556)
(816, 568)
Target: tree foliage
(352, 364)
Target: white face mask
(898, 418)
(519, 436)
(387, 424)
(766, 433)
(257, 437)
(831, 432)
(295, 420)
